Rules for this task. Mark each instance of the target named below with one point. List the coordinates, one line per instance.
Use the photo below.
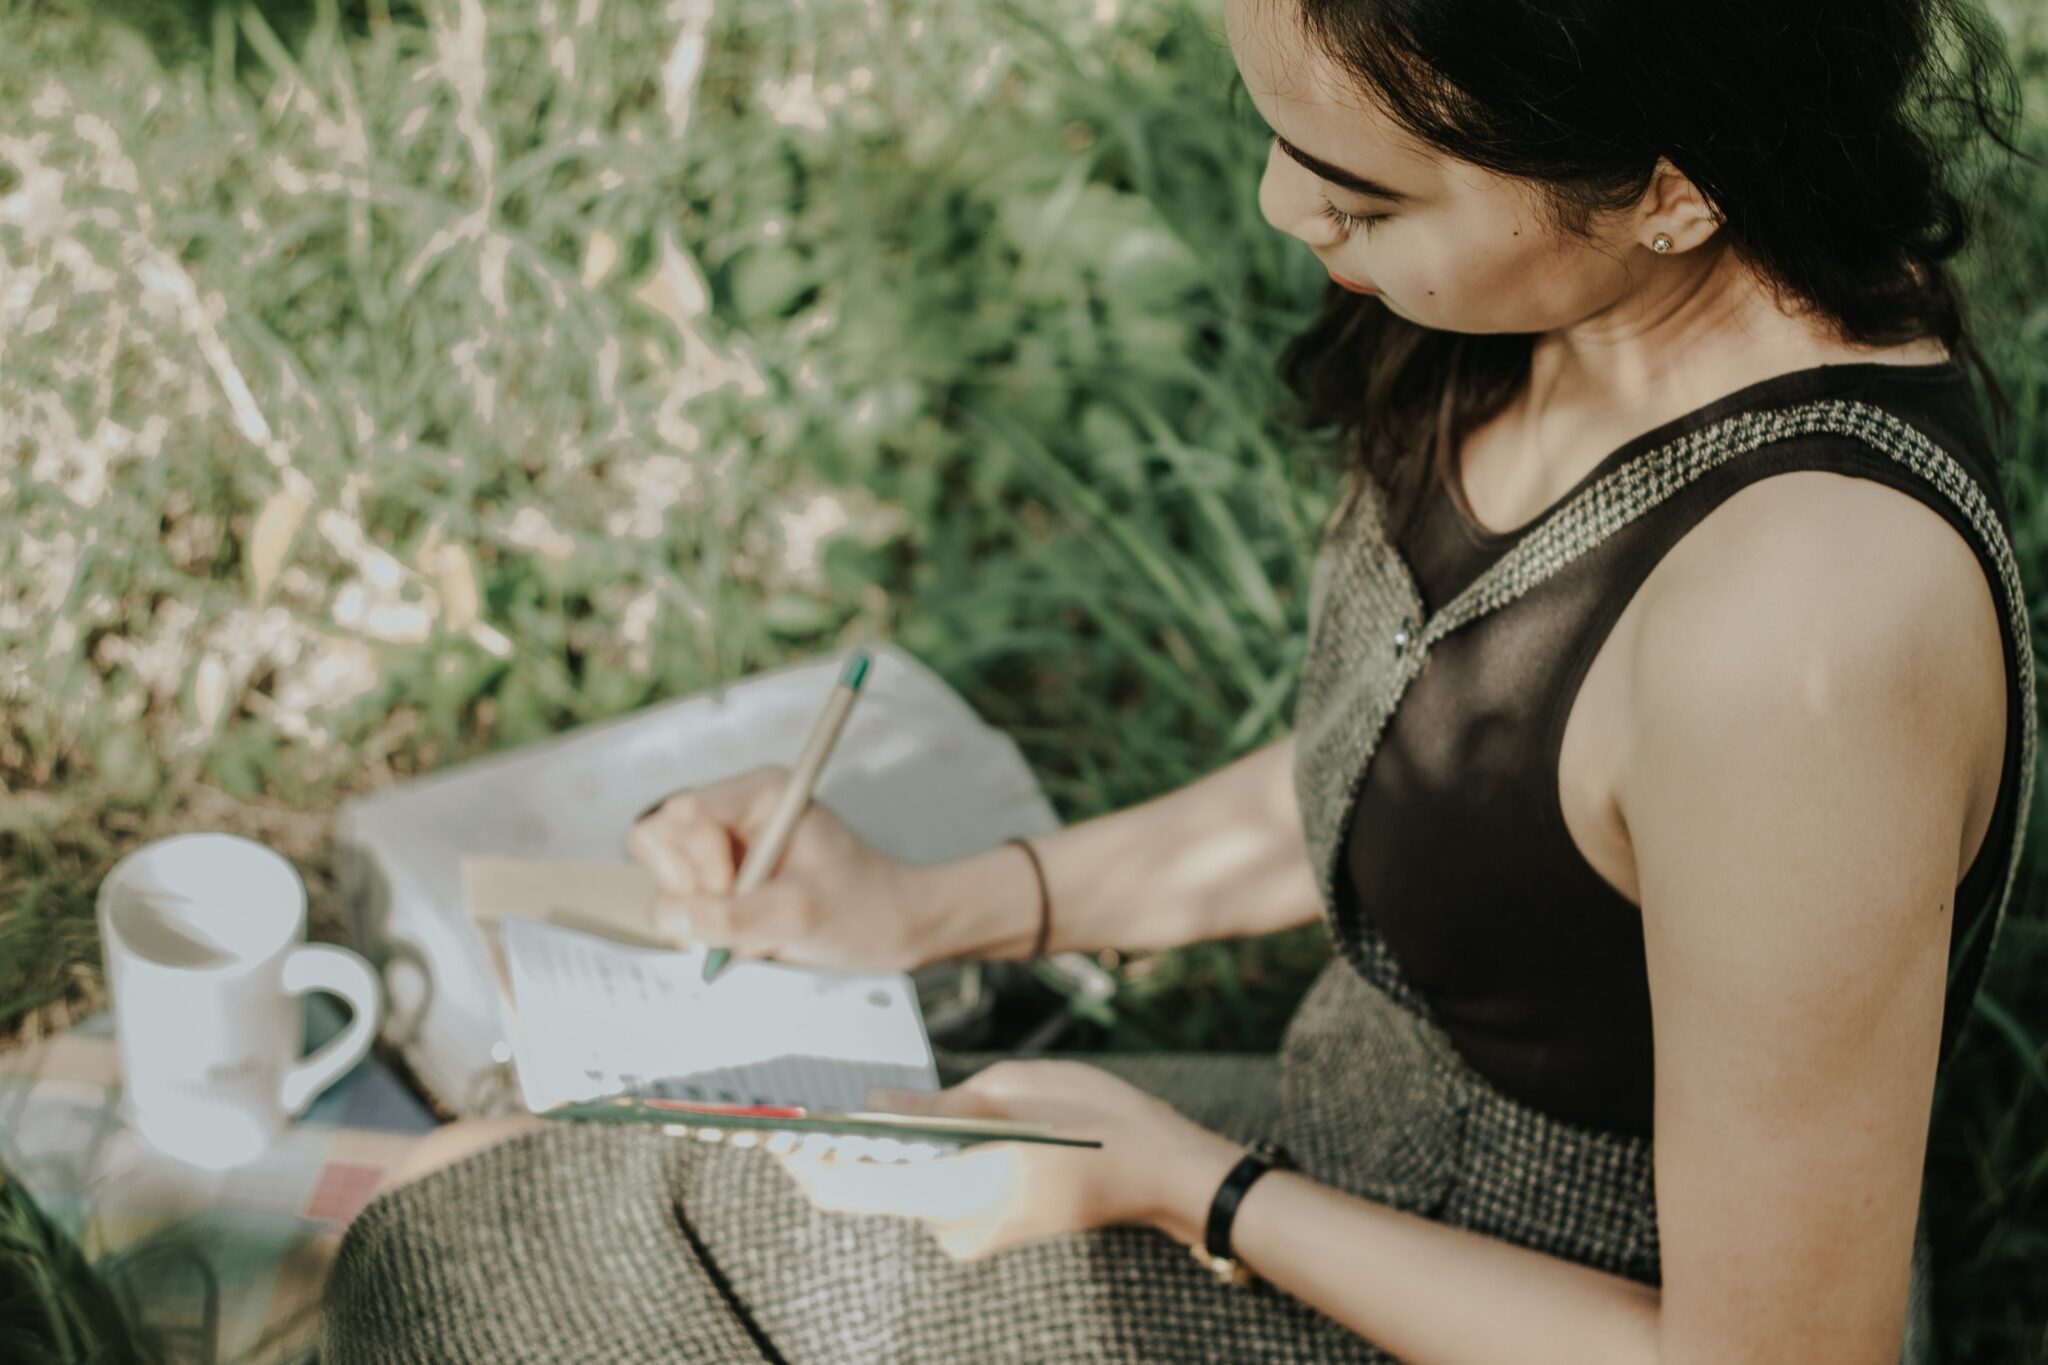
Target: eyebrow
(1337, 175)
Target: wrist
(1182, 1178)
(983, 905)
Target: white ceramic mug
(203, 939)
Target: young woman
(1658, 767)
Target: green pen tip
(856, 670)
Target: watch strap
(1261, 1157)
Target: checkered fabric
(584, 1243)
(240, 1254)
(580, 1243)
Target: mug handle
(324, 967)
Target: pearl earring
(1660, 243)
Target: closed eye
(1351, 222)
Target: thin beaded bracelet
(1044, 899)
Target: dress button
(1400, 643)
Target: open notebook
(602, 1008)
(614, 1026)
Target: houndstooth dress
(584, 1243)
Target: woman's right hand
(832, 900)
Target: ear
(1675, 207)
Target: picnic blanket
(229, 1264)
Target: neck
(1695, 328)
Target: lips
(1354, 288)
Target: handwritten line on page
(597, 1017)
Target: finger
(959, 1101)
(1012, 1084)
(948, 1188)
(699, 839)
(764, 920)
(895, 1100)
(700, 919)
(690, 920)
(644, 815)
(648, 849)
(674, 922)
(970, 1239)
(754, 796)
(685, 827)
(720, 821)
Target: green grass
(54, 1308)
(985, 364)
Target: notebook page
(596, 1017)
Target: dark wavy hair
(1821, 133)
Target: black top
(1532, 961)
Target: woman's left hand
(998, 1195)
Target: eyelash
(1351, 222)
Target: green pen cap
(856, 670)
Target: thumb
(896, 1100)
(959, 1102)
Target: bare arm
(1221, 857)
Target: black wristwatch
(1214, 1252)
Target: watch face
(1225, 1268)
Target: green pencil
(765, 852)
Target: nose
(1291, 203)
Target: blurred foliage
(55, 1307)
(386, 384)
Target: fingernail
(675, 920)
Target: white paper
(598, 1018)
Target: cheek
(1432, 274)
(1490, 281)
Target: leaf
(271, 537)
(676, 288)
(210, 690)
(766, 282)
(600, 254)
(455, 581)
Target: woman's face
(1461, 250)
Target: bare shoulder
(1841, 597)
(1812, 548)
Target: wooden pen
(765, 852)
